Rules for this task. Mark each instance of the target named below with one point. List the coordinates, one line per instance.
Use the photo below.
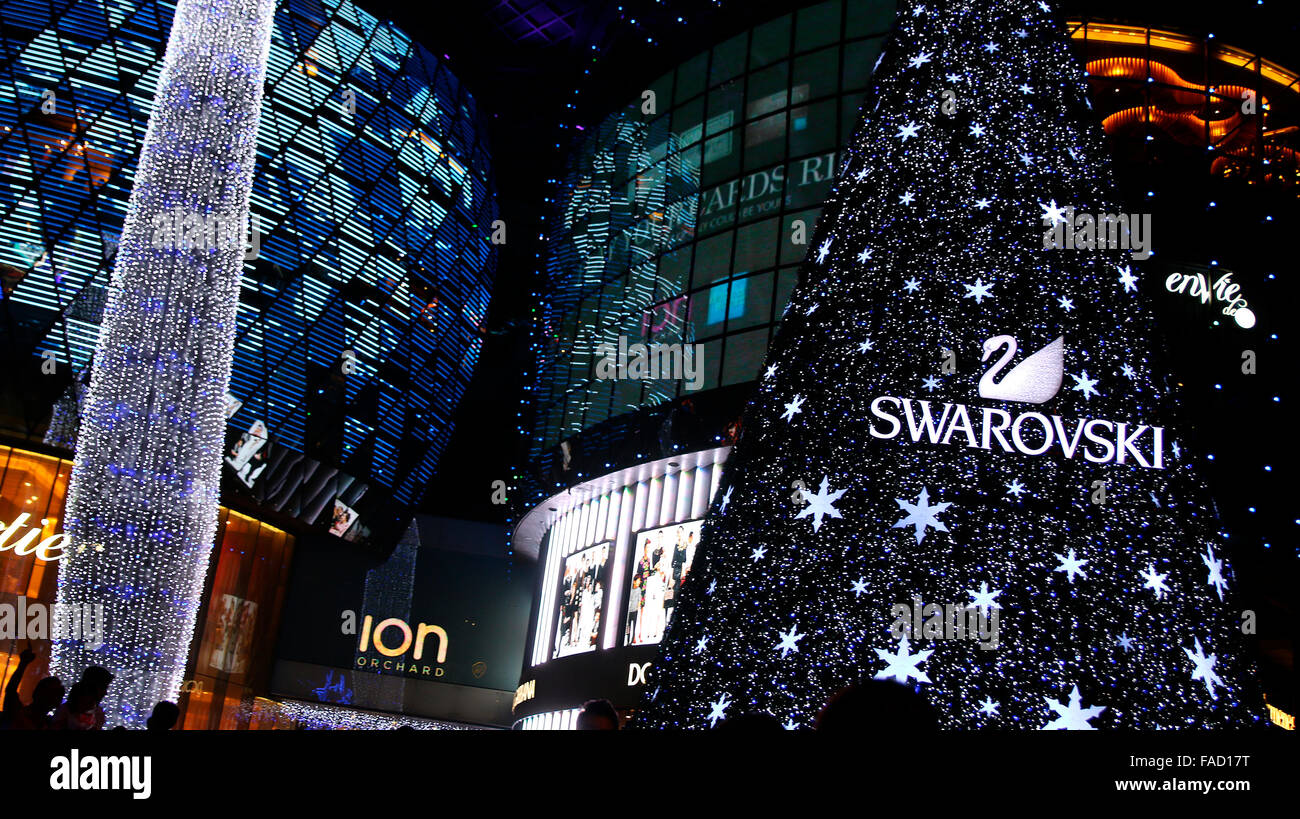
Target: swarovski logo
(1036, 380)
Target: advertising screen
(582, 599)
(661, 561)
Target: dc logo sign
(636, 673)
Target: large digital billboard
(582, 600)
(661, 562)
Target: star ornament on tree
(1051, 211)
(795, 406)
(719, 709)
(821, 504)
(1072, 717)
(983, 599)
(1204, 668)
(788, 641)
(1154, 581)
(1216, 578)
(1127, 278)
(1085, 385)
(978, 291)
(823, 251)
(1070, 566)
(903, 664)
(921, 514)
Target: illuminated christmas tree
(142, 504)
(982, 419)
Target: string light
(146, 478)
(1115, 608)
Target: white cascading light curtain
(141, 514)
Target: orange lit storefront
(231, 656)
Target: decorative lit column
(142, 506)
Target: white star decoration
(726, 499)
(930, 383)
(701, 645)
(788, 640)
(1070, 566)
(982, 204)
(1127, 278)
(719, 709)
(921, 514)
(1125, 642)
(758, 553)
(906, 199)
(713, 584)
(983, 599)
(823, 251)
(1049, 211)
(864, 255)
(908, 130)
(977, 130)
(1015, 488)
(989, 706)
(919, 60)
(1204, 668)
(1072, 717)
(821, 504)
(859, 587)
(1085, 385)
(1128, 371)
(1066, 304)
(903, 664)
(911, 285)
(978, 291)
(866, 346)
(795, 406)
(1216, 578)
(771, 371)
(1154, 581)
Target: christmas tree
(976, 403)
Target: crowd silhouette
(80, 711)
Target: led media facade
(360, 318)
(679, 226)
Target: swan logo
(1036, 380)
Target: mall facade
(683, 221)
(368, 271)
